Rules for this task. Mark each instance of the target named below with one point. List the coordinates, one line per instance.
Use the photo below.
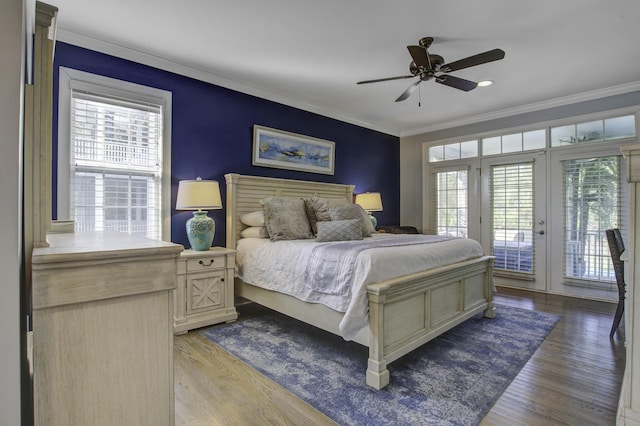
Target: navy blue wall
(212, 134)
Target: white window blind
(512, 212)
(115, 164)
(452, 212)
(591, 205)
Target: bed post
(232, 209)
(490, 311)
(377, 373)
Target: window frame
(550, 155)
(72, 79)
(471, 165)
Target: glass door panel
(590, 200)
(514, 219)
(512, 215)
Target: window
(452, 213)
(514, 142)
(453, 151)
(591, 206)
(113, 174)
(512, 213)
(594, 131)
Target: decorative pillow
(311, 215)
(253, 219)
(321, 206)
(339, 230)
(353, 211)
(286, 218)
(254, 232)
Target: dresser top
(75, 246)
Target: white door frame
(557, 226)
(540, 278)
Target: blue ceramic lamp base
(374, 221)
(200, 231)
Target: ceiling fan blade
(408, 92)
(419, 56)
(456, 82)
(385, 79)
(471, 61)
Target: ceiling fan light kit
(427, 66)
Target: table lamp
(370, 202)
(198, 195)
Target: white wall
(11, 43)
(411, 178)
(411, 182)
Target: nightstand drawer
(207, 263)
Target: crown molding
(144, 58)
(123, 52)
(524, 109)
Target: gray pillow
(286, 219)
(321, 206)
(311, 214)
(353, 211)
(339, 230)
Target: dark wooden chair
(616, 247)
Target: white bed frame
(404, 313)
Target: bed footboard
(407, 312)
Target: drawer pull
(203, 264)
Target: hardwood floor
(574, 377)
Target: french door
(589, 197)
(514, 218)
(544, 216)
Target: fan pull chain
(419, 96)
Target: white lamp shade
(370, 201)
(198, 195)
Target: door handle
(541, 232)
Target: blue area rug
(453, 380)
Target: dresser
(204, 289)
(103, 330)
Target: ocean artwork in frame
(286, 150)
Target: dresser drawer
(206, 263)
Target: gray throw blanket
(330, 269)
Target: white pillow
(254, 232)
(253, 219)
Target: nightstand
(204, 292)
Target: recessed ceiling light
(485, 83)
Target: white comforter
(282, 266)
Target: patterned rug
(453, 380)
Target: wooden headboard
(245, 192)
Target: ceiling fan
(427, 65)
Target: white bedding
(281, 266)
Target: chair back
(616, 247)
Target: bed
(404, 312)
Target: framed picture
(285, 150)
